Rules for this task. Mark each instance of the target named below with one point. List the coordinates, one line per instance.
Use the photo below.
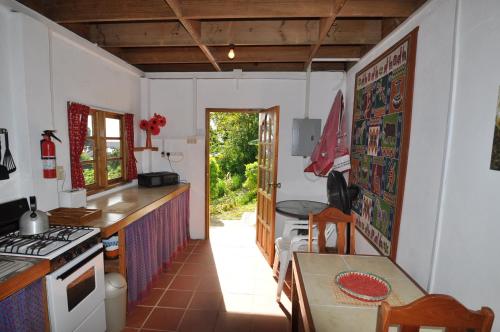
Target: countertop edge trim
(23, 279)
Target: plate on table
(363, 286)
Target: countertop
(123, 207)
(119, 209)
(22, 278)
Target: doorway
(241, 149)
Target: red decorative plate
(363, 286)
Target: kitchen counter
(123, 207)
(17, 280)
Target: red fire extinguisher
(48, 150)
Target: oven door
(76, 290)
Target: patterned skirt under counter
(152, 242)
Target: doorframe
(207, 152)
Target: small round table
(299, 209)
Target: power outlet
(172, 154)
(61, 175)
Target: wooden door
(267, 180)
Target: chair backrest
(334, 216)
(434, 310)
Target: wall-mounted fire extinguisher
(48, 150)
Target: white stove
(75, 285)
(51, 244)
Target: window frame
(101, 158)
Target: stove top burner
(41, 244)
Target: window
(103, 154)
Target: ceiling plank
(81, 29)
(161, 55)
(37, 5)
(220, 33)
(225, 9)
(379, 8)
(289, 32)
(158, 55)
(354, 32)
(259, 32)
(325, 24)
(140, 34)
(222, 9)
(194, 29)
(389, 24)
(79, 11)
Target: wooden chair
(335, 216)
(434, 310)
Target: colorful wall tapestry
(380, 139)
(495, 153)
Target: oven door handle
(66, 274)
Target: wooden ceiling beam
(81, 29)
(79, 11)
(325, 24)
(289, 32)
(140, 34)
(158, 55)
(162, 55)
(220, 33)
(193, 27)
(380, 8)
(227, 9)
(350, 32)
(259, 32)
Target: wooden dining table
(319, 305)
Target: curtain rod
(99, 108)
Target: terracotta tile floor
(219, 285)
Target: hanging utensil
(8, 161)
(4, 174)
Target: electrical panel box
(305, 136)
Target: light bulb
(231, 53)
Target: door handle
(275, 185)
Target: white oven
(75, 294)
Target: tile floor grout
(165, 291)
(252, 320)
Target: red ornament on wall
(152, 127)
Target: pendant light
(231, 55)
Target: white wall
(449, 227)
(428, 131)
(6, 118)
(43, 67)
(467, 255)
(174, 98)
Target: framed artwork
(380, 140)
(495, 151)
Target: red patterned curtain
(77, 127)
(129, 136)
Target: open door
(267, 180)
